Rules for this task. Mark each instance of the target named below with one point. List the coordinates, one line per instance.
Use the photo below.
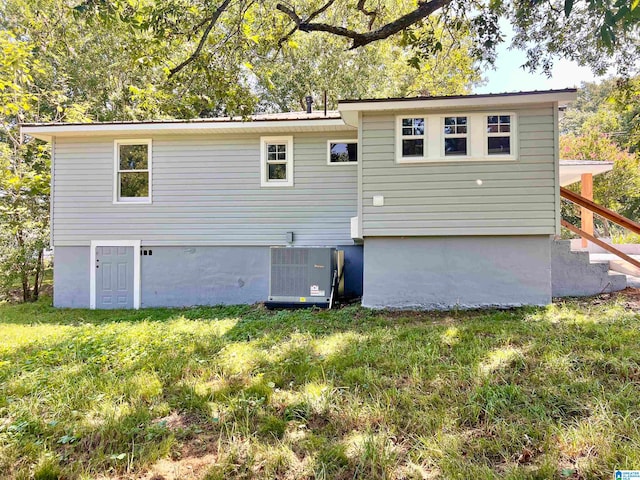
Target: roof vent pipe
(309, 100)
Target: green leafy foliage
(599, 126)
(24, 173)
(315, 64)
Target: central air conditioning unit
(302, 276)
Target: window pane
(344, 152)
(492, 129)
(455, 125)
(282, 148)
(278, 171)
(134, 184)
(418, 126)
(413, 126)
(505, 118)
(282, 156)
(505, 128)
(133, 157)
(492, 119)
(499, 145)
(271, 148)
(412, 148)
(272, 156)
(455, 146)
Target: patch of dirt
(191, 461)
(317, 422)
(630, 297)
(175, 421)
(192, 458)
(15, 295)
(186, 468)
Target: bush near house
(241, 392)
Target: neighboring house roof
(572, 170)
(345, 118)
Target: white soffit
(572, 170)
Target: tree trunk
(25, 286)
(24, 271)
(37, 281)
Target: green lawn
(241, 392)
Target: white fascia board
(492, 102)
(46, 132)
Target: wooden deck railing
(604, 213)
(600, 210)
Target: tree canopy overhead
(606, 31)
(227, 43)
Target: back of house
(435, 201)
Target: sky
(509, 77)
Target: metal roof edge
(460, 101)
(45, 131)
(457, 97)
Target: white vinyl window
(456, 131)
(342, 152)
(456, 137)
(276, 161)
(499, 132)
(411, 138)
(132, 171)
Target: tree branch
(309, 18)
(212, 22)
(372, 14)
(318, 27)
(360, 39)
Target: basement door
(114, 277)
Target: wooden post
(586, 216)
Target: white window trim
(477, 148)
(329, 142)
(136, 268)
(512, 135)
(444, 136)
(116, 169)
(264, 181)
(400, 137)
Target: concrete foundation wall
(71, 277)
(465, 272)
(186, 276)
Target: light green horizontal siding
(206, 191)
(516, 197)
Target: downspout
(360, 171)
(556, 166)
(52, 190)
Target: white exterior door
(114, 270)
